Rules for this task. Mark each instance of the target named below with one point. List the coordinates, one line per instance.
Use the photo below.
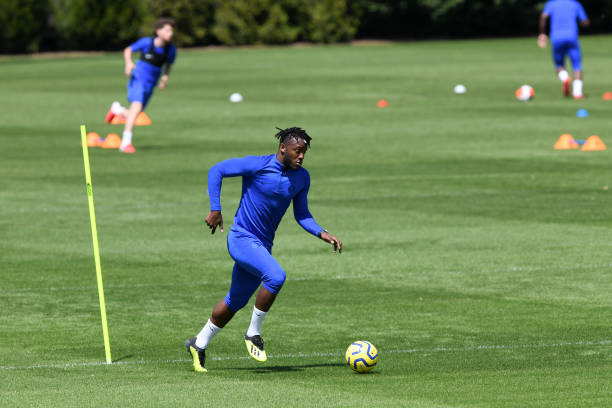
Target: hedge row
(41, 25)
(464, 18)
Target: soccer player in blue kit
(157, 54)
(269, 184)
(564, 17)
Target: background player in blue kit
(157, 56)
(564, 17)
(269, 184)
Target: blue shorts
(139, 91)
(561, 48)
(253, 265)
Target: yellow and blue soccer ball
(361, 356)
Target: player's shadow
(276, 369)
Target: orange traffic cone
(112, 141)
(118, 120)
(607, 96)
(142, 120)
(565, 142)
(593, 143)
(93, 140)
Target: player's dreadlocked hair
(293, 133)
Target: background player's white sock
(256, 321)
(126, 139)
(117, 109)
(206, 334)
(563, 75)
(577, 87)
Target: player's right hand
(128, 69)
(542, 40)
(214, 219)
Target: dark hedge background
(50, 25)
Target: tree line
(50, 25)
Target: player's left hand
(327, 237)
(163, 81)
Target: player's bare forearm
(327, 237)
(543, 38)
(129, 64)
(543, 21)
(214, 219)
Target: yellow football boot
(198, 354)
(255, 347)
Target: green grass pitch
(477, 258)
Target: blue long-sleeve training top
(267, 191)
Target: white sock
(206, 334)
(563, 75)
(117, 109)
(577, 87)
(256, 321)
(126, 139)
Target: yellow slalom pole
(94, 237)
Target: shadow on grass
(122, 358)
(275, 369)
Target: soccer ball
(460, 89)
(361, 356)
(235, 97)
(524, 93)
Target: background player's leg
(565, 79)
(559, 51)
(132, 114)
(137, 95)
(115, 109)
(578, 74)
(576, 57)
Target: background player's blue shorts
(561, 48)
(254, 264)
(139, 91)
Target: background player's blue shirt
(563, 19)
(144, 71)
(267, 191)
